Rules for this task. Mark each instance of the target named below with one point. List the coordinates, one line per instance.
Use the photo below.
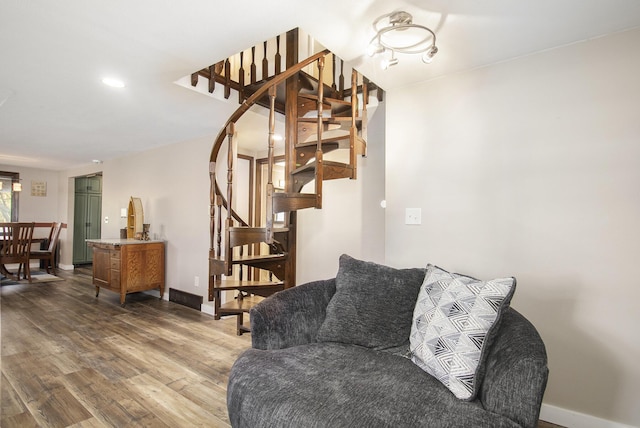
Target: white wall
(37, 208)
(531, 168)
(173, 184)
(40, 208)
(351, 220)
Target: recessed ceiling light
(97, 161)
(114, 83)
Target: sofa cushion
(454, 321)
(338, 385)
(372, 306)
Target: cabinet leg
(97, 291)
(123, 297)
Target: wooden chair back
(54, 236)
(15, 247)
(15, 242)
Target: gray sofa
(306, 370)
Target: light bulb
(374, 49)
(427, 57)
(389, 63)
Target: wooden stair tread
(240, 305)
(236, 284)
(283, 202)
(329, 120)
(329, 140)
(257, 229)
(243, 235)
(311, 166)
(259, 257)
(332, 101)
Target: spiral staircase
(325, 131)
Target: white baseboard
(207, 308)
(571, 419)
(36, 266)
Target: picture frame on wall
(38, 188)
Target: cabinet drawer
(115, 263)
(115, 279)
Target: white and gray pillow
(454, 320)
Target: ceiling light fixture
(397, 33)
(114, 83)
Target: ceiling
(56, 114)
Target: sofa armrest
(292, 316)
(516, 371)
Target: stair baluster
(227, 79)
(212, 79)
(231, 155)
(319, 161)
(365, 119)
(278, 58)
(241, 79)
(253, 65)
(341, 81)
(333, 72)
(265, 63)
(270, 161)
(353, 132)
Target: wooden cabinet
(128, 265)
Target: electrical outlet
(196, 281)
(413, 216)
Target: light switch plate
(413, 216)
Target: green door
(87, 215)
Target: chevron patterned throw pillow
(453, 322)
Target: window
(8, 198)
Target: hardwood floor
(69, 359)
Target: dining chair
(15, 247)
(49, 254)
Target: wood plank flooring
(71, 360)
